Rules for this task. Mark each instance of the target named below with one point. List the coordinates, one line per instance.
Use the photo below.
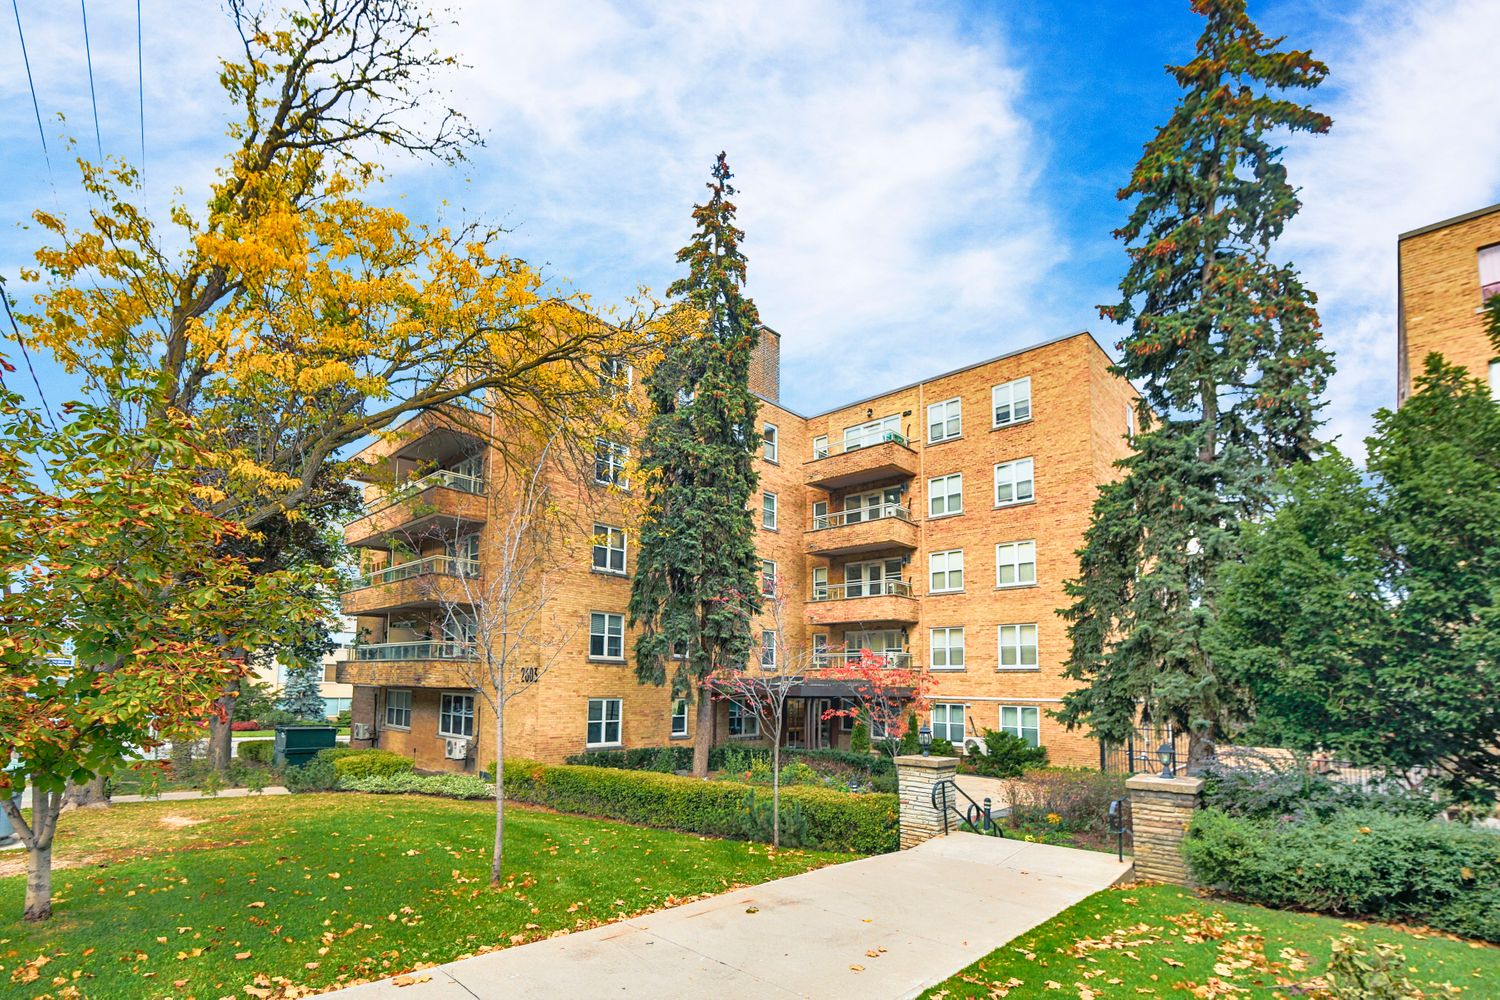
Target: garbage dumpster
(296, 745)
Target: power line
(26, 355)
(88, 55)
(36, 107)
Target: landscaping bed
(208, 897)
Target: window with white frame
(1014, 482)
(1015, 564)
(609, 463)
(768, 649)
(820, 649)
(945, 420)
(398, 708)
(769, 442)
(820, 515)
(946, 650)
(945, 495)
(1024, 721)
(948, 723)
(820, 583)
(1489, 272)
(1130, 422)
(1018, 647)
(617, 374)
(945, 572)
(820, 446)
(606, 636)
(1495, 379)
(609, 549)
(604, 722)
(742, 721)
(768, 510)
(679, 717)
(873, 432)
(768, 578)
(456, 715)
(1011, 402)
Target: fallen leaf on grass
(240, 956)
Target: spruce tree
(696, 584)
(303, 694)
(1224, 341)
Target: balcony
(870, 603)
(898, 658)
(864, 461)
(429, 582)
(447, 498)
(424, 663)
(862, 529)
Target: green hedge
(634, 759)
(835, 821)
(260, 751)
(448, 786)
(1357, 862)
(354, 763)
(646, 758)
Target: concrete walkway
(193, 793)
(882, 927)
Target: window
(679, 717)
(872, 579)
(1018, 647)
(616, 373)
(768, 442)
(820, 649)
(947, 572)
(1495, 379)
(742, 722)
(604, 722)
(398, 708)
(767, 649)
(1489, 272)
(767, 578)
(1011, 402)
(768, 511)
(820, 583)
(945, 495)
(871, 506)
(1130, 423)
(1023, 721)
(947, 649)
(948, 723)
(609, 549)
(873, 432)
(945, 420)
(820, 446)
(1015, 564)
(456, 715)
(819, 515)
(606, 636)
(679, 649)
(609, 463)
(1013, 482)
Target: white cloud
(1412, 92)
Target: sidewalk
(193, 793)
(881, 928)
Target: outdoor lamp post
(1167, 754)
(924, 740)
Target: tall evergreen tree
(303, 696)
(696, 583)
(1225, 342)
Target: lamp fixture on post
(1167, 755)
(924, 740)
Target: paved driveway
(883, 927)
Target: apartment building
(1445, 272)
(934, 524)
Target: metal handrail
(977, 818)
(421, 649)
(892, 657)
(867, 441)
(839, 518)
(405, 491)
(867, 588)
(431, 565)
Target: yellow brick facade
(1440, 302)
(1076, 429)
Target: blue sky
(921, 185)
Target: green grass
(1155, 940)
(324, 889)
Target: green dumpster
(296, 745)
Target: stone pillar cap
(917, 760)
(1156, 783)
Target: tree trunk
(221, 734)
(499, 798)
(1201, 752)
(92, 794)
(703, 736)
(38, 883)
(776, 790)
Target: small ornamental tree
(303, 694)
(695, 587)
(888, 697)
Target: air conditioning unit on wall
(456, 749)
(359, 730)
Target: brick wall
(1439, 296)
(1160, 811)
(765, 365)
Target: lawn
(209, 897)
(1156, 940)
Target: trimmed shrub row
(260, 751)
(1358, 862)
(648, 758)
(448, 786)
(367, 763)
(834, 820)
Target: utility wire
(88, 55)
(36, 107)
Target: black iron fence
(1149, 750)
(1164, 751)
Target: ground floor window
(398, 708)
(948, 723)
(679, 717)
(742, 722)
(604, 722)
(1023, 721)
(456, 715)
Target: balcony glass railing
(859, 515)
(424, 649)
(866, 588)
(842, 657)
(861, 441)
(430, 566)
(405, 491)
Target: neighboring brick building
(1445, 272)
(935, 523)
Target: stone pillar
(915, 778)
(1160, 811)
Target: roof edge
(1445, 223)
